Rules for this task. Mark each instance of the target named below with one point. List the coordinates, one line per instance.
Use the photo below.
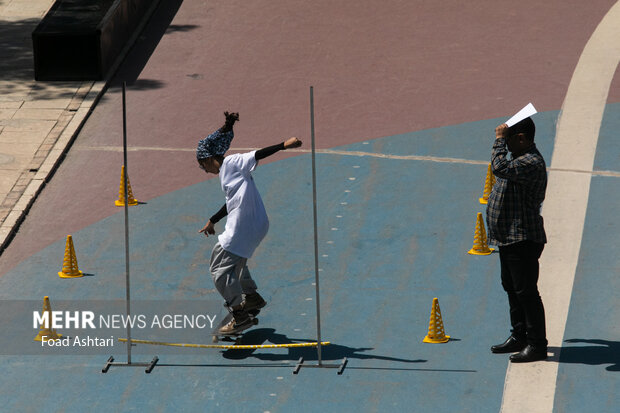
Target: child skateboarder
(246, 224)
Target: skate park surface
(407, 96)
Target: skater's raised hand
(231, 118)
(292, 143)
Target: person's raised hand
(231, 117)
(501, 131)
(291, 143)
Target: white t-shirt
(247, 222)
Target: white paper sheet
(526, 112)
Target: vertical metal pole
(125, 175)
(149, 366)
(316, 240)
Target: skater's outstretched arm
(209, 228)
(270, 150)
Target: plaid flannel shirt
(513, 209)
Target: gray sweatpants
(231, 275)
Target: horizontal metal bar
(226, 346)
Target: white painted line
(344, 153)
(593, 173)
(565, 207)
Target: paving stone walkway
(37, 119)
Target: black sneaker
(241, 321)
(253, 303)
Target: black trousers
(519, 263)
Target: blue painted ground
(393, 234)
(589, 371)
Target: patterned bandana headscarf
(215, 144)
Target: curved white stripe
(531, 387)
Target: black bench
(82, 39)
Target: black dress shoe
(511, 345)
(529, 353)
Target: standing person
(246, 224)
(516, 227)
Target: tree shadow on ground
(602, 352)
(16, 57)
(17, 66)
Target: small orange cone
(47, 331)
(480, 239)
(121, 192)
(70, 264)
(436, 333)
(488, 186)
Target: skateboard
(234, 337)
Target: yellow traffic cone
(121, 192)
(436, 333)
(70, 264)
(488, 186)
(47, 331)
(480, 239)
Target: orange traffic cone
(488, 186)
(46, 330)
(436, 333)
(480, 239)
(70, 264)
(121, 192)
